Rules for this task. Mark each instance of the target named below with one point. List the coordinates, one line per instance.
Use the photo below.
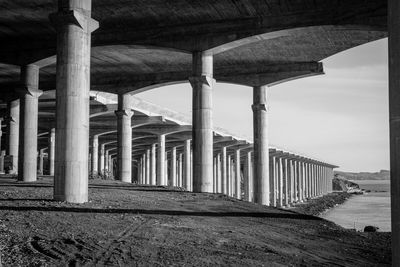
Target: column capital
(29, 90)
(259, 107)
(124, 112)
(75, 17)
(203, 79)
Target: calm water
(368, 209)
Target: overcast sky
(340, 117)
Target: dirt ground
(128, 225)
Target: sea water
(361, 210)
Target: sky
(340, 117)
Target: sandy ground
(128, 225)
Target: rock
(370, 228)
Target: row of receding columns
(72, 124)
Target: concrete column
(191, 171)
(229, 176)
(286, 182)
(95, 154)
(51, 150)
(186, 165)
(101, 159)
(238, 193)
(246, 176)
(272, 195)
(180, 170)
(106, 161)
(148, 168)
(28, 127)
(41, 156)
(140, 171)
(280, 181)
(2, 155)
(202, 83)
(214, 175)
(161, 160)
(224, 174)
(261, 147)
(302, 181)
(309, 168)
(219, 174)
(298, 180)
(173, 167)
(153, 170)
(124, 138)
(74, 26)
(13, 134)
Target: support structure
(95, 154)
(202, 83)
(28, 127)
(74, 26)
(124, 131)
(13, 134)
(161, 160)
(51, 150)
(186, 165)
(261, 149)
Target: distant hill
(382, 175)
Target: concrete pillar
(186, 165)
(101, 159)
(309, 169)
(298, 180)
(219, 174)
(180, 170)
(280, 181)
(202, 83)
(229, 176)
(106, 161)
(2, 155)
(224, 174)
(161, 160)
(124, 138)
(248, 178)
(295, 182)
(191, 171)
(261, 150)
(148, 168)
(41, 156)
(74, 26)
(28, 127)
(286, 182)
(214, 175)
(172, 168)
(51, 150)
(153, 170)
(13, 134)
(238, 193)
(272, 195)
(95, 154)
(302, 181)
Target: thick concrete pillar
(41, 156)
(202, 83)
(161, 160)
(153, 165)
(248, 182)
(172, 168)
(186, 165)
(261, 150)
(148, 167)
(298, 180)
(95, 154)
(180, 170)
(101, 159)
(279, 170)
(238, 193)
(13, 134)
(214, 175)
(286, 182)
(74, 26)
(219, 174)
(106, 161)
(272, 195)
(124, 139)
(28, 127)
(2, 155)
(224, 174)
(51, 150)
(229, 176)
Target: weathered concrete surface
(73, 85)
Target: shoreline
(320, 205)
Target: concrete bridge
(127, 47)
